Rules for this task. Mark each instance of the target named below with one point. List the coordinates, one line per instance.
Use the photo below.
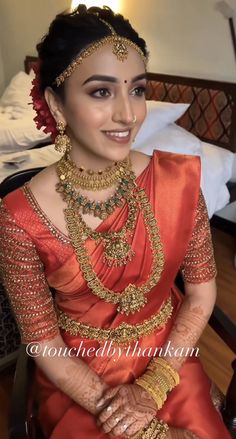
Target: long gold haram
(132, 298)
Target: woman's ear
(54, 104)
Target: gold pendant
(132, 301)
(117, 252)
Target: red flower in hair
(44, 117)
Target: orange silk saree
(171, 182)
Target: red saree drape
(172, 185)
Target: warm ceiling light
(113, 4)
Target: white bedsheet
(18, 134)
(38, 157)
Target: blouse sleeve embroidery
(199, 263)
(23, 277)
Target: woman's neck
(88, 160)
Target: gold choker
(91, 180)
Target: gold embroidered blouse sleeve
(22, 274)
(199, 264)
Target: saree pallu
(171, 183)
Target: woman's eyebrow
(100, 78)
(106, 78)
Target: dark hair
(70, 33)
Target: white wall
(2, 78)
(185, 37)
(22, 24)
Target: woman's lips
(119, 136)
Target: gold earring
(62, 141)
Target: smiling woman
(104, 228)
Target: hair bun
(81, 9)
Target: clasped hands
(125, 410)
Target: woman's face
(103, 96)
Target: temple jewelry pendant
(132, 301)
(117, 252)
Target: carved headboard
(212, 113)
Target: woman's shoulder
(43, 183)
(15, 204)
(139, 161)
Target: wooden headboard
(212, 112)
(29, 62)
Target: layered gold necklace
(117, 250)
(92, 180)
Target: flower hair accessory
(44, 117)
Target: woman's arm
(71, 375)
(22, 274)
(191, 320)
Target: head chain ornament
(44, 117)
(119, 49)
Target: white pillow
(172, 139)
(216, 171)
(159, 115)
(17, 95)
(233, 176)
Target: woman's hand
(129, 408)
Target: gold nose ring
(134, 119)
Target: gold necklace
(100, 209)
(132, 298)
(92, 181)
(117, 250)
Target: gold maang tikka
(120, 49)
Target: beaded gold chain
(91, 180)
(132, 298)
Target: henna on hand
(130, 409)
(186, 331)
(82, 385)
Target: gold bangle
(156, 429)
(159, 379)
(157, 361)
(161, 373)
(158, 386)
(154, 394)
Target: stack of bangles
(155, 430)
(158, 380)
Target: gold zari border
(123, 334)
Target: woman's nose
(122, 112)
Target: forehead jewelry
(119, 48)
